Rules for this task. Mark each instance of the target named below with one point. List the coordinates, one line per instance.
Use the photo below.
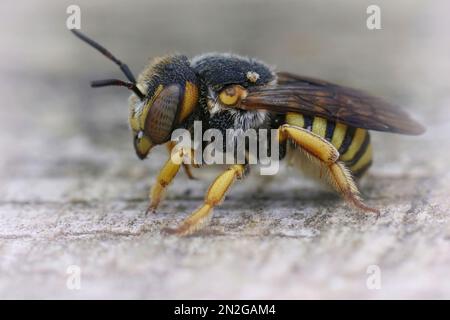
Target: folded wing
(314, 97)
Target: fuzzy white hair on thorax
(242, 119)
(249, 119)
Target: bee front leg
(214, 196)
(320, 149)
(165, 177)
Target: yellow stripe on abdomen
(361, 166)
(338, 135)
(319, 126)
(356, 143)
(295, 119)
(353, 143)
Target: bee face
(170, 87)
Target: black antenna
(125, 69)
(117, 82)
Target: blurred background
(73, 191)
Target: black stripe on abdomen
(349, 134)
(308, 122)
(360, 151)
(330, 130)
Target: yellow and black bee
(321, 125)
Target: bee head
(163, 97)
(170, 95)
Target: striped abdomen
(352, 143)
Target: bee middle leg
(214, 196)
(170, 145)
(322, 150)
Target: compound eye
(162, 114)
(231, 95)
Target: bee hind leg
(341, 179)
(323, 151)
(214, 196)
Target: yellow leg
(164, 178)
(322, 150)
(214, 196)
(312, 143)
(170, 145)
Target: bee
(321, 126)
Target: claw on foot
(151, 209)
(170, 231)
(192, 224)
(188, 171)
